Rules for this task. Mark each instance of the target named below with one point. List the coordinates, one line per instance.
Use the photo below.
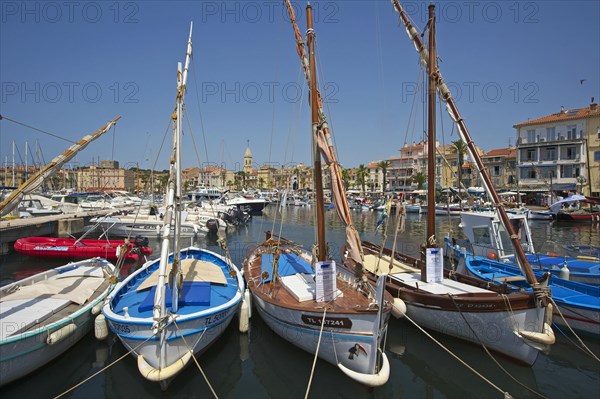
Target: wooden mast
(314, 104)
(431, 94)
(463, 132)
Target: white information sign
(435, 265)
(325, 281)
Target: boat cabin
(489, 238)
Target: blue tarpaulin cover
(192, 294)
(289, 264)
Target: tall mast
(14, 181)
(325, 144)
(314, 105)
(465, 136)
(26, 163)
(431, 83)
(182, 72)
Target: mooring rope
(506, 394)
(488, 352)
(194, 357)
(316, 354)
(589, 351)
(104, 368)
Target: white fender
(248, 299)
(545, 338)
(61, 334)
(244, 317)
(96, 309)
(370, 380)
(100, 327)
(153, 374)
(398, 308)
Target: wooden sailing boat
(176, 306)
(514, 324)
(301, 296)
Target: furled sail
(327, 150)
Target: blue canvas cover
(289, 264)
(192, 294)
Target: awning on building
(564, 186)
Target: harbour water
(262, 365)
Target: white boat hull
(498, 331)
(336, 343)
(196, 333)
(121, 227)
(193, 329)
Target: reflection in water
(263, 365)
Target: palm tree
(361, 175)
(419, 178)
(384, 165)
(296, 173)
(460, 148)
(242, 176)
(223, 176)
(346, 178)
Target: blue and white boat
(488, 238)
(174, 307)
(578, 304)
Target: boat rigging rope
(506, 394)
(588, 350)
(488, 352)
(2, 117)
(199, 112)
(194, 357)
(103, 369)
(512, 314)
(316, 353)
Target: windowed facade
(531, 136)
(569, 171)
(563, 146)
(530, 155)
(571, 153)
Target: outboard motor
(213, 226)
(140, 241)
(140, 245)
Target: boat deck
(347, 299)
(25, 315)
(199, 292)
(446, 286)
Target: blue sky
(69, 67)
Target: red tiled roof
(563, 116)
(507, 152)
